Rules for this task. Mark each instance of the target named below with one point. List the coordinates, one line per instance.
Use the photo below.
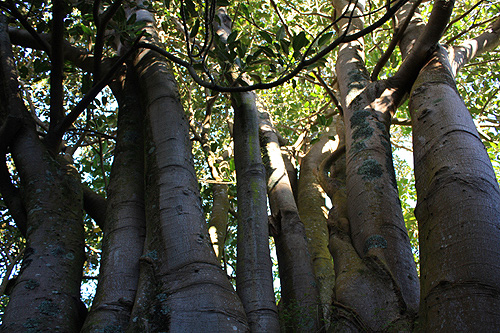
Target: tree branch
(79, 57)
(94, 205)
(459, 56)
(16, 14)
(57, 64)
(53, 139)
(424, 46)
(345, 38)
(101, 22)
(394, 42)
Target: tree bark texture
(313, 214)
(254, 280)
(217, 226)
(181, 287)
(299, 292)
(375, 218)
(46, 295)
(458, 208)
(124, 228)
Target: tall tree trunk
(299, 292)
(376, 225)
(313, 214)
(458, 208)
(254, 280)
(181, 287)
(125, 220)
(46, 295)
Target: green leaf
(300, 41)
(195, 29)
(232, 37)
(280, 35)
(223, 3)
(325, 39)
(190, 8)
(268, 51)
(266, 36)
(256, 78)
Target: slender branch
(473, 26)
(101, 162)
(278, 12)
(101, 22)
(57, 65)
(329, 91)
(394, 42)
(459, 18)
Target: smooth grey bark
(182, 288)
(46, 295)
(376, 221)
(124, 228)
(458, 208)
(254, 281)
(299, 293)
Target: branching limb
(424, 46)
(459, 56)
(394, 42)
(79, 57)
(94, 205)
(54, 137)
(344, 38)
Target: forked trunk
(299, 292)
(46, 294)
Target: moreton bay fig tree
(235, 166)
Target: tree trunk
(125, 220)
(254, 280)
(299, 292)
(181, 287)
(313, 214)
(458, 208)
(46, 295)
(217, 226)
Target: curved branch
(424, 46)
(302, 64)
